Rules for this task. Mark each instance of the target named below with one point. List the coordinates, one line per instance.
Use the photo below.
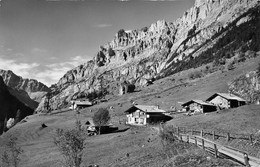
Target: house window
(136, 120)
(141, 121)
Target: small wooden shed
(143, 115)
(226, 100)
(199, 106)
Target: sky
(43, 39)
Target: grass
(185, 154)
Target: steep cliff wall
(155, 51)
(10, 105)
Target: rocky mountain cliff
(10, 105)
(28, 91)
(205, 33)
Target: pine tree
(17, 117)
(5, 124)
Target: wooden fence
(215, 134)
(217, 149)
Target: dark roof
(227, 96)
(198, 102)
(147, 109)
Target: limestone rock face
(151, 52)
(29, 91)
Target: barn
(198, 106)
(143, 115)
(226, 100)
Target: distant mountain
(28, 91)
(208, 32)
(10, 105)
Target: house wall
(137, 118)
(209, 108)
(221, 102)
(194, 107)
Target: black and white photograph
(129, 83)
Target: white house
(143, 115)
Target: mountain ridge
(154, 52)
(28, 91)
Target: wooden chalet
(143, 115)
(198, 106)
(226, 100)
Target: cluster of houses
(217, 101)
(143, 115)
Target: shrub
(101, 118)
(171, 145)
(195, 74)
(10, 156)
(231, 66)
(71, 144)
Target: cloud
(47, 74)
(22, 69)
(53, 72)
(103, 25)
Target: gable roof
(145, 108)
(198, 102)
(227, 96)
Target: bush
(195, 74)
(10, 156)
(101, 118)
(71, 144)
(231, 65)
(171, 145)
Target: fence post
(246, 160)
(213, 133)
(181, 137)
(196, 141)
(228, 136)
(201, 133)
(187, 138)
(251, 139)
(216, 150)
(203, 146)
